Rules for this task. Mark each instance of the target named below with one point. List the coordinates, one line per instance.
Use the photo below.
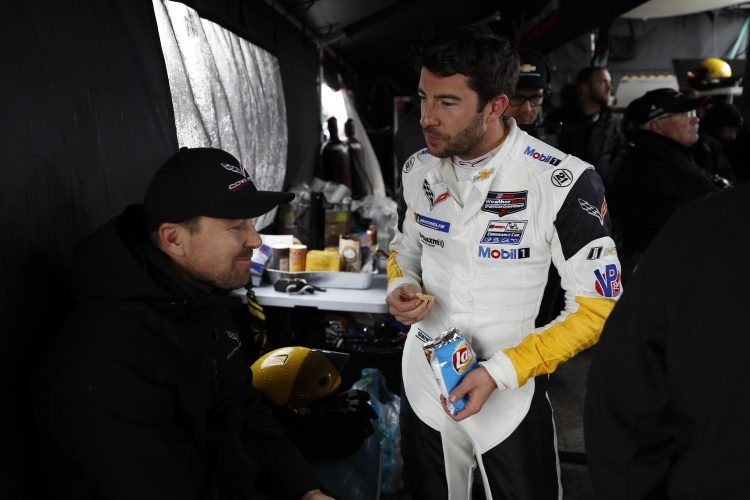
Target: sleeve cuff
(397, 282)
(501, 369)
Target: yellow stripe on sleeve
(393, 270)
(541, 353)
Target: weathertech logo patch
(504, 203)
(541, 156)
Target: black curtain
(86, 119)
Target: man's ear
(655, 127)
(498, 106)
(171, 238)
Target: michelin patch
(502, 203)
(500, 232)
(437, 225)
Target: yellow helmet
(711, 72)
(295, 376)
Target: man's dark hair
(476, 52)
(584, 76)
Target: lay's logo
(463, 357)
(541, 157)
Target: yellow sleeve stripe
(541, 353)
(392, 268)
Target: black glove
(351, 406)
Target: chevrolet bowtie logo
(484, 174)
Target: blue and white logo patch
(504, 232)
(437, 225)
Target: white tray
(323, 279)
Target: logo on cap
(236, 186)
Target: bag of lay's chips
(450, 357)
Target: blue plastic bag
(387, 405)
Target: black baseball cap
(534, 72)
(208, 182)
(655, 103)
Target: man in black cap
(657, 174)
(534, 84)
(145, 393)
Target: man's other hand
(406, 307)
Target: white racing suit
(487, 263)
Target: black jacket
(709, 154)
(145, 392)
(667, 406)
(597, 142)
(656, 177)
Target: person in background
(718, 130)
(525, 106)
(657, 174)
(590, 129)
(145, 392)
(483, 213)
(534, 84)
(665, 411)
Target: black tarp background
(86, 120)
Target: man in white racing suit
(484, 210)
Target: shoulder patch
(561, 177)
(409, 164)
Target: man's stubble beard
(465, 142)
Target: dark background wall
(86, 120)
